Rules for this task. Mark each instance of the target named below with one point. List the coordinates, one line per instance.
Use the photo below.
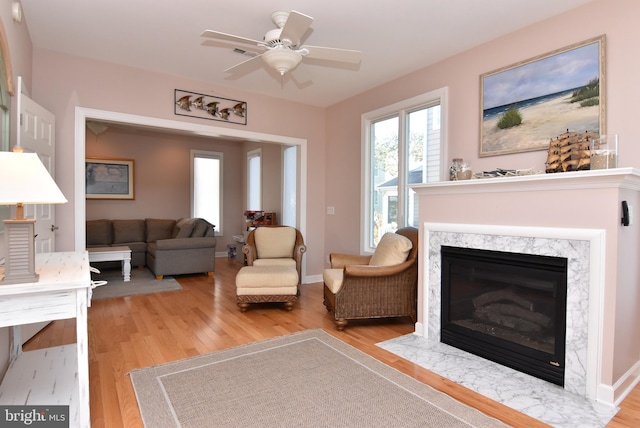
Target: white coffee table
(109, 254)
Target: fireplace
(507, 307)
(581, 247)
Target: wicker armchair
(373, 291)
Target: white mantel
(564, 202)
(596, 179)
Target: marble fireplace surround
(584, 249)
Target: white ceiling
(395, 37)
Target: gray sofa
(165, 246)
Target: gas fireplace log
(501, 295)
(490, 314)
(517, 311)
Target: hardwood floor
(140, 331)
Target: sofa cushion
(184, 227)
(128, 231)
(275, 242)
(159, 229)
(392, 249)
(98, 232)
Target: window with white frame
(206, 185)
(254, 180)
(403, 144)
(289, 186)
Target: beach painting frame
(525, 105)
(109, 178)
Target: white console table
(58, 375)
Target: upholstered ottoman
(259, 284)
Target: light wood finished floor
(140, 331)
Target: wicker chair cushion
(275, 242)
(333, 279)
(392, 249)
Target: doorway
(155, 124)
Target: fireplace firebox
(507, 307)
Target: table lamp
(23, 180)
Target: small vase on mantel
(459, 170)
(454, 169)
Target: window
(206, 187)
(403, 144)
(254, 180)
(289, 186)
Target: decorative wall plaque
(203, 106)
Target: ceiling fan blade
(295, 27)
(221, 44)
(244, 66)
(333, 54)
(230, 38)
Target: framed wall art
(109, 178)
(525, 105)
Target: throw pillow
(392, 249)
(184, 227)
(199, 228)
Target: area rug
(142, 282)
(307, 379)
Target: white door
(37, 134)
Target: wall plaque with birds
(203, 106)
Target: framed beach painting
(109, 178)
(525, 105)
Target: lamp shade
(25, 180)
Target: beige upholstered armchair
(379, 286)
(274, 265)
(275, 246)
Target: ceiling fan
(281, 48)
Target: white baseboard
(613, 395)
(312, 279)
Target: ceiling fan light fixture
(282, 59)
